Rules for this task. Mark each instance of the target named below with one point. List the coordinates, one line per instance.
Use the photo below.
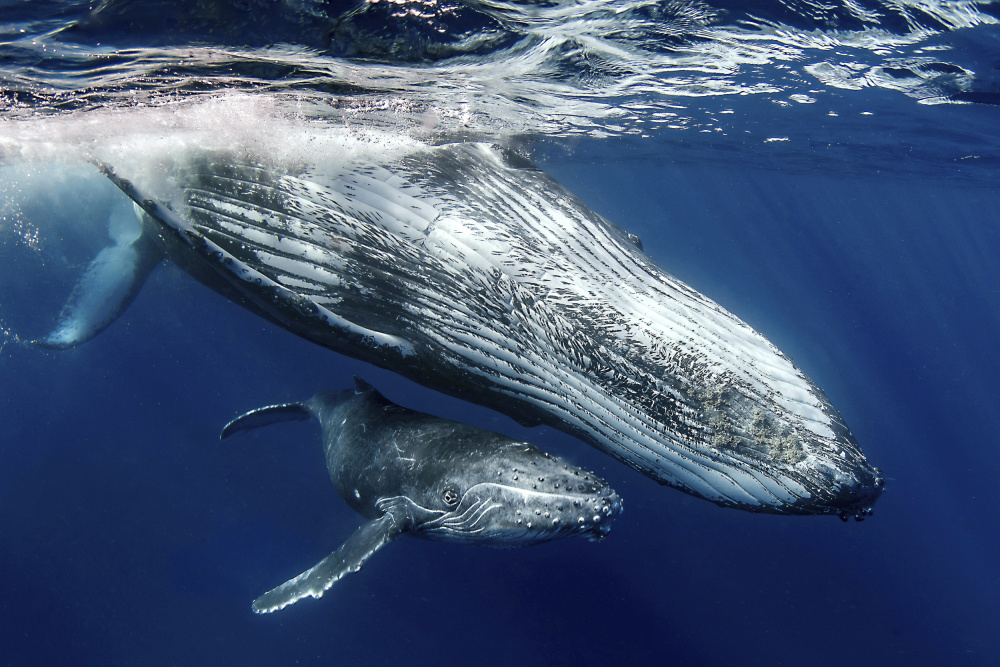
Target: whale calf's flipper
(110, 283)
(271, 414)
(365, 541)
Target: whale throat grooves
(476, 274)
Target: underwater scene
(667, 327)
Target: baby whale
(410, 472)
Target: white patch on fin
(110, 283)
(365, 541)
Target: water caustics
(558, 68)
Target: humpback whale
(412, 473)
(468, 270)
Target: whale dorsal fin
(271, 414)
(362, 386)
(315, 581)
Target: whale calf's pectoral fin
(271, 414)
(365, 541)
(110, 283)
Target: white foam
(145, 141)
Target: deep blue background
(130, 535)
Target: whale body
(470, 271)
(412, 473)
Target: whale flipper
(271, 414)
(315, 581)
(110, 283)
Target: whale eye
(450, 496)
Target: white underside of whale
(456, 258)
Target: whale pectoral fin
(271, 414)
(365, 541)
(110, 283)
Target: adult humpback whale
(409, 472)
(470, 271)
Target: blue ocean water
(826, 172)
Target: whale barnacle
(450, 496)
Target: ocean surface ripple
(491, 69)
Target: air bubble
(555, 522)
(597, 518)
(538, 512)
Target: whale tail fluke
(315, 581)
(110, 283)
(271, 414)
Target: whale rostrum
(468, 270)
(409, 472)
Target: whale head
(519, 496)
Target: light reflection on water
(498, 69)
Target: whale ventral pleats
(470, 271)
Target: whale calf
(470, 271)
(412, 473)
